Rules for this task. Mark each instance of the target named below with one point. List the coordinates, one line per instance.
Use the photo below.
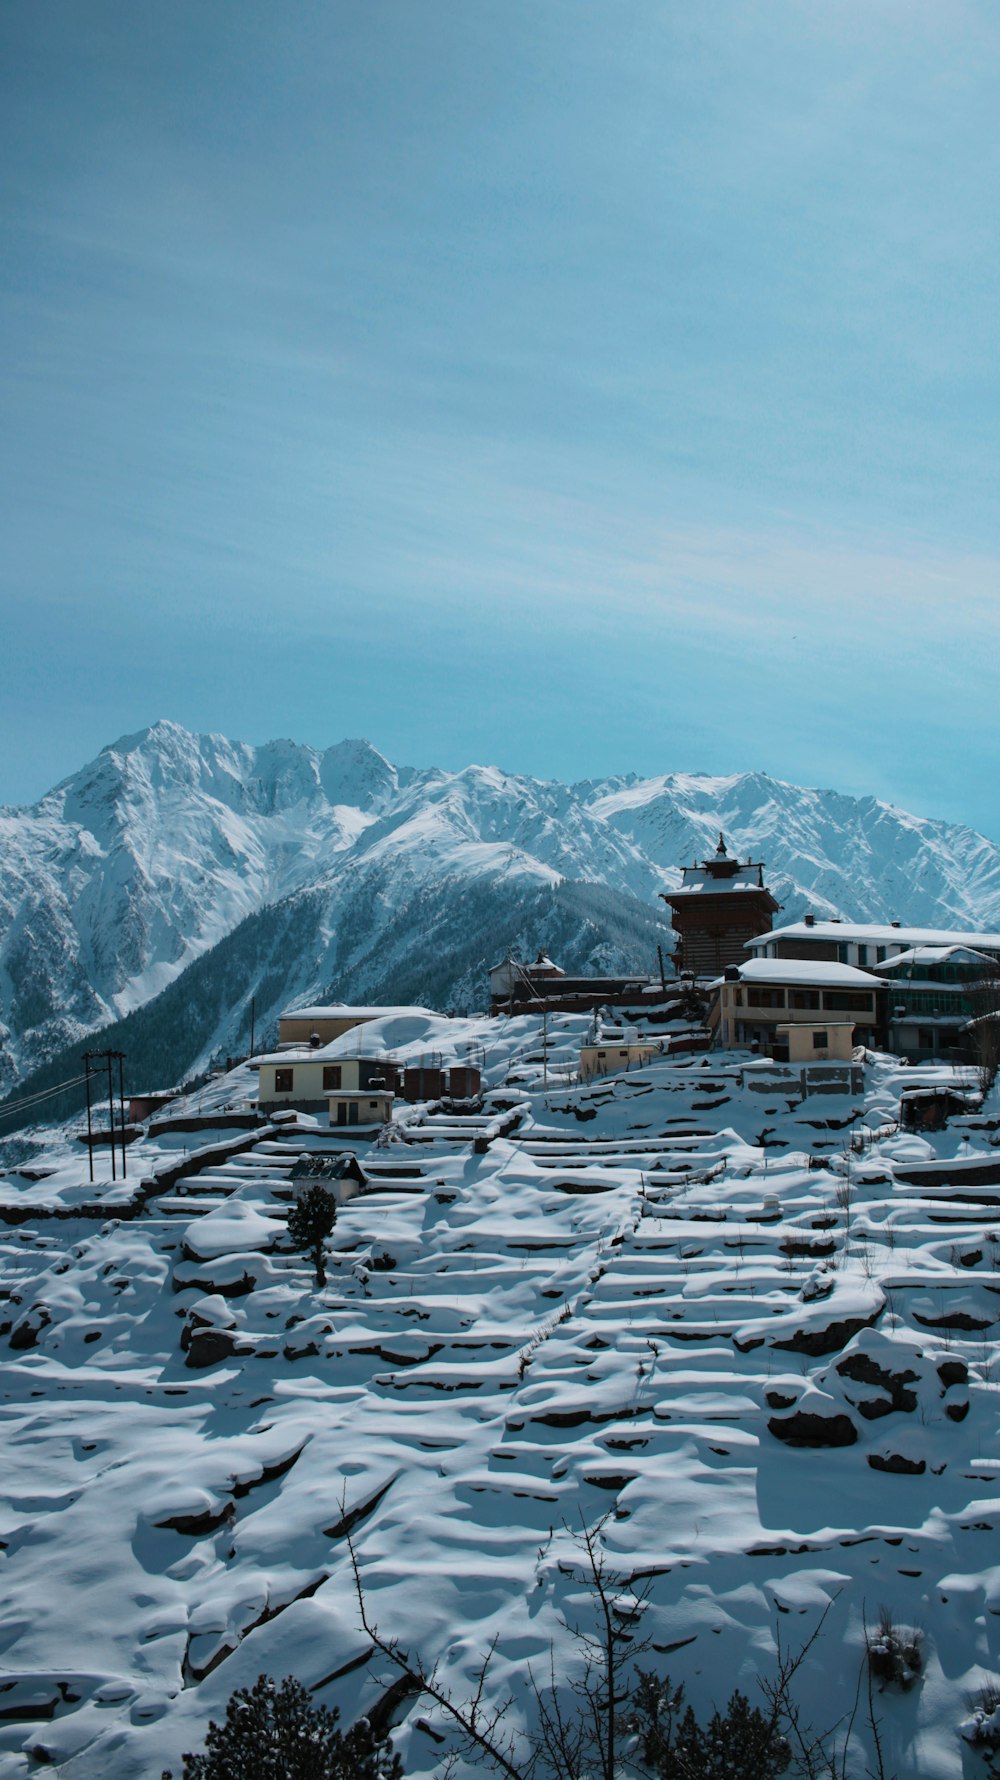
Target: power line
(31, 1100)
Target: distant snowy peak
(355, 773)
(151, 854)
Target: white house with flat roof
(865, 944)
(303, 1077)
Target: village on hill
(703, 1261)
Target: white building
(865, 944)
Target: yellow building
(612, 1055)
(816, 1041)
(321, 1025)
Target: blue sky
(582, 387)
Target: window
(847, 1001)
(880, 954)
(821, 1041)
(766, 997)
(331, 1075)
(863, 956)
(805, 998)
(283, 1079)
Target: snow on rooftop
(937, 955)
(341, 1010)
(701, 883)
(806, 971)
(409, 1033)
(877, 933)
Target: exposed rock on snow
(197, 1428)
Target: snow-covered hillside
(151, 855)
(750, 1341)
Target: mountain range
(165, 884)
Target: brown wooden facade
(719, 905)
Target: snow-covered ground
(627, 1303)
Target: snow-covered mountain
(157, 851)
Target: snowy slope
(149, 856)
(673, 1307)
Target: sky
(579, 387)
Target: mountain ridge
(124, 874)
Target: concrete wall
(608, 1059)
(802, 1047)
(359, 1109)
(307, 1089)
(293, 1029)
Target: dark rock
(955, 1319)
(778, 1400)
(952, 1372)
(826, 1340)
(897, 1463)
(206, 1347)
(957, 1412)
(864, 1370)
(196, 1526)
(873, 1408)
(806, 1428)
(185, 1281)
(25, 1333)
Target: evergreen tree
(674, 1746)
(310, 1222)
(273, 1732)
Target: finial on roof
(720, 851)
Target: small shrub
(982, 1727)
(895, 1653)
(383, 1262)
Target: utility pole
(90, 1130)
(111, 1115)
(121, 1106)
(253, 1020)
(89, 1058)
(663, 974)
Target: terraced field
(753, 1340)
